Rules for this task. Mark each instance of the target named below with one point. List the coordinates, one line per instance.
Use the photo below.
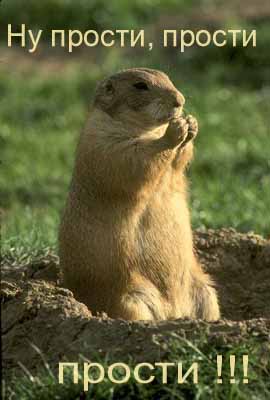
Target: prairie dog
(125, 237)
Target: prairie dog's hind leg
(141, 302)
(205, 300)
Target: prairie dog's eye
(141, 86)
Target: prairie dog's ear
(109, 88)
(105, 94)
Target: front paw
(177, 132)
(192, 128)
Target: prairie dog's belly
(157, 235)
(153, 238)
(164, 232)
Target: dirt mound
(240, 265)
(42, 319)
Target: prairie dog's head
(139, 95)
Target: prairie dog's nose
(179, 100)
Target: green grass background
(42, 115)
(42, 111)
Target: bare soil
(41, 320)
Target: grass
(41, 116)
(84, 15)
(45, 385)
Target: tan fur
(125, 238)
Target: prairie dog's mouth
(161, 113)
(175, 114)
